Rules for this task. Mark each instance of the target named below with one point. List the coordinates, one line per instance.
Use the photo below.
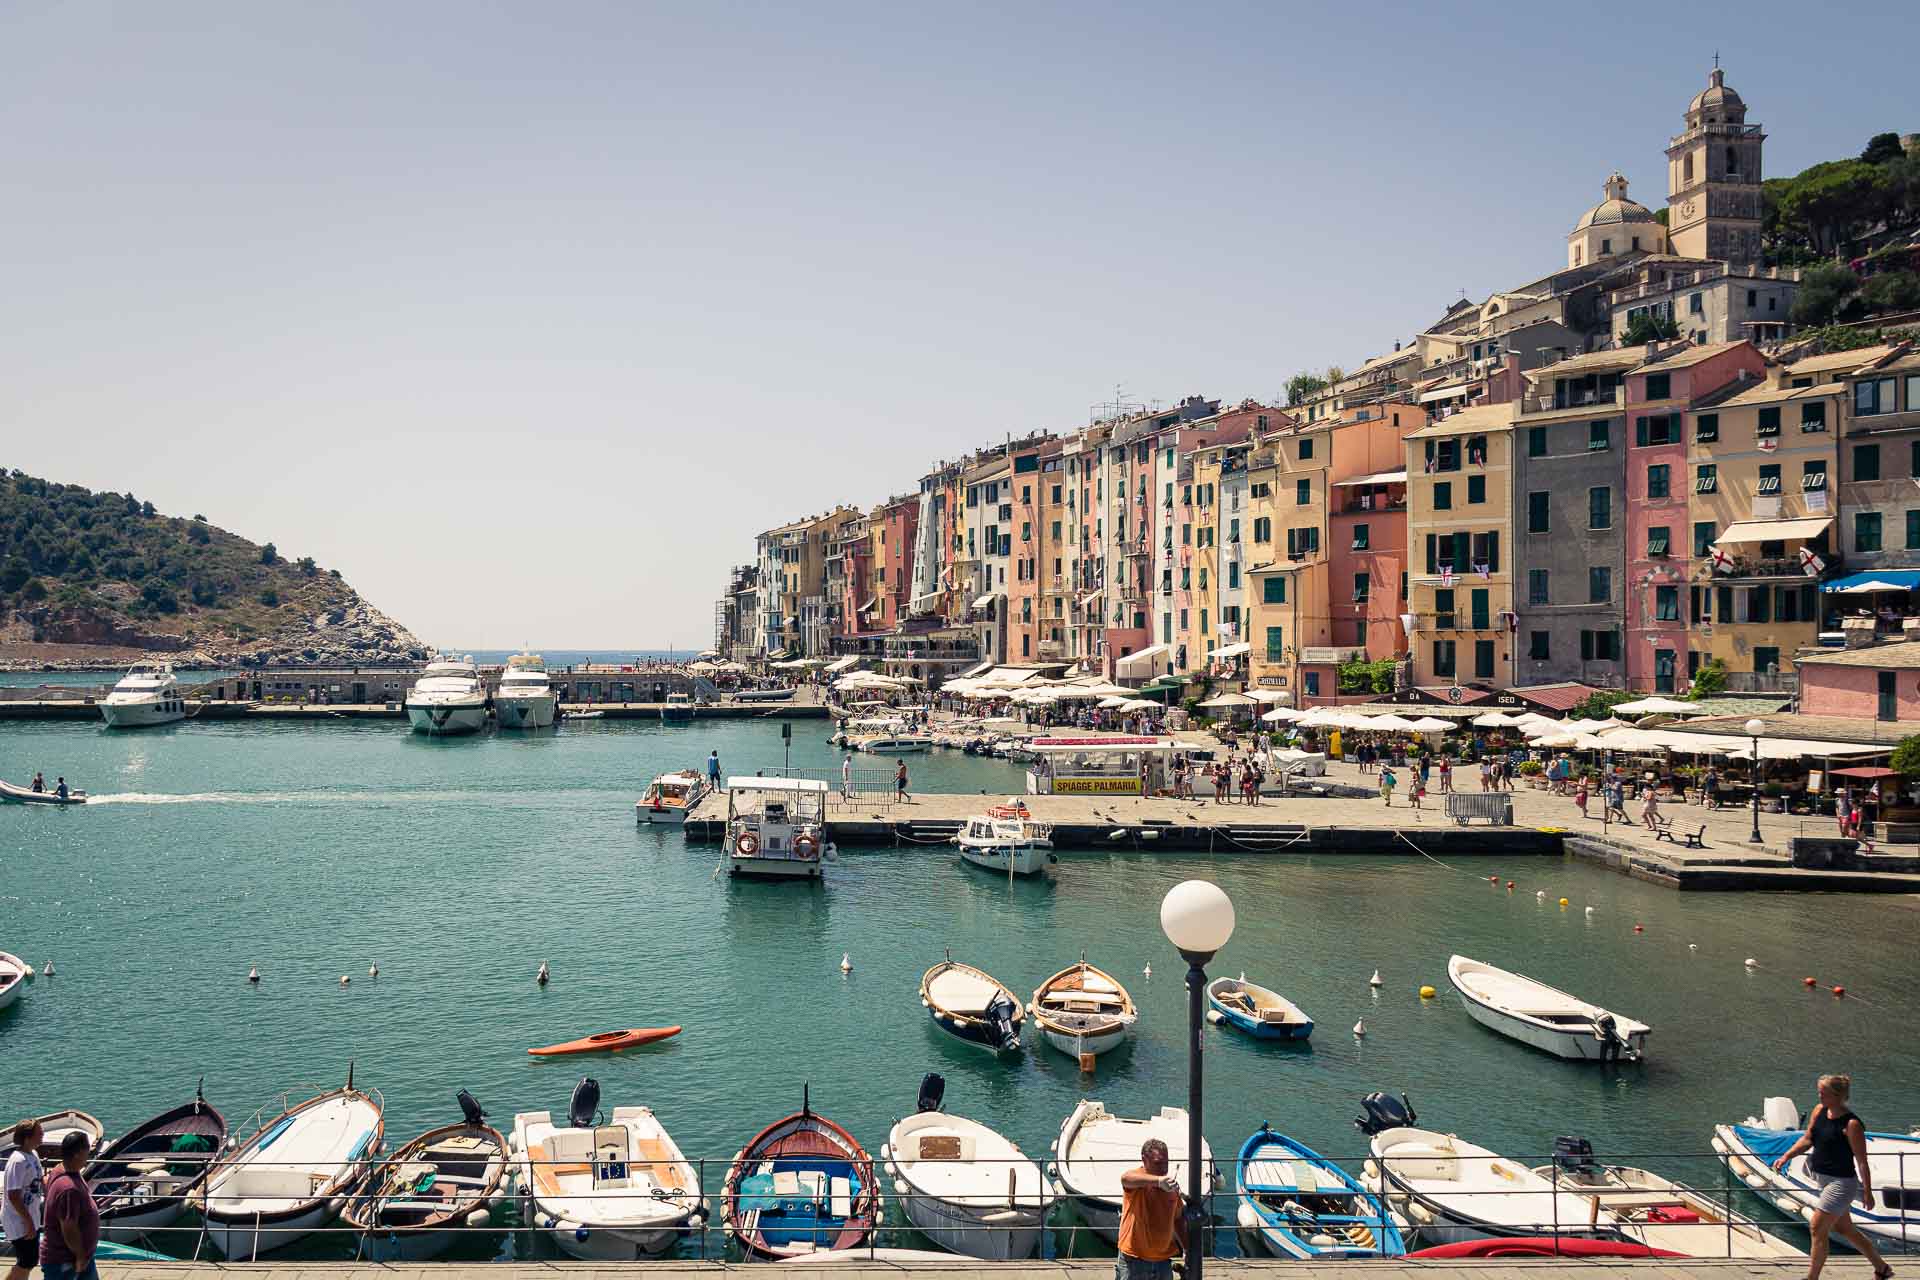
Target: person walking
(1152, 1231)
(72, 1230)
(1446, 775)
(1580, 796)
(713, 769)
(1650, 810)
(1838, 1166)
(25, 1184)
(846, 778)
(1387, 784)
(900, 783)
(1711, 785)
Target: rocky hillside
(87, 578)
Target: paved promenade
(1841, 1267)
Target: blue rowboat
(1254, 1009)
(1302, 1205)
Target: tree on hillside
(1891, 291)
(1824, 295)
(1833, 201)
(1882, 147)
(1302, 387)
(269, 554)
(307, 567)
(1647, 327)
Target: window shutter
(1640, 432)
(1586, 646)
(1493, 551)
(1433, 558)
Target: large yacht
(524, 699)
(148, 694)
(447, 698)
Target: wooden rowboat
(607, 1041)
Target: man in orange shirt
(1152, 1231)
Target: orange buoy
(1639, 928)
(607, 1041)
(1839, 991)
(1806, 981)
(1509, 886)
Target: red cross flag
(1446, 575)
(1810, 564)
(1722, 562)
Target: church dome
(1616, 208)
(1717, 96)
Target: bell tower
(1713, 178)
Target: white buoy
(344, 979)
(1147, 972)
(1360, 1027)
(541, 977)
(1589, 910)
(846, 962)
(1374, 981)
(1693, 946)
(253, 975)
(48, 971)
(1541, 895)
(373, 970)
(1752, 963)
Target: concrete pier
(87, 709)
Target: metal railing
(1714, 1204)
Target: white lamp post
(1756, 727)
(1197, 917)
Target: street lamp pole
(1755, 727)
(1197, 918)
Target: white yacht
(147, 695)
(524, 699)
(447, 698)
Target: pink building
(1660, 555)
(1367, 530)
(1880, 682)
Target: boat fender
(1419, 1213)
(1754, 1180)
(479, 1219)
(580, 1234)
(899, 1188)
(1806, 1211)
(1321, 1241)
(1370, 1171)
(1248, 1219)
(1214, 1016)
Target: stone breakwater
(342, 633)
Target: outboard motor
(1575, 1156)
(1384, 1111)
(470, 1109)
(1613, 1046)
(999, 1014)
(585, 1103)
(933, 1091)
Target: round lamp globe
(1756, 727)
(1197, 917)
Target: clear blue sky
(527, 317)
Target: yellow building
(1459, 546)
(1764, 465)
(1287, 606)
(1198, 557)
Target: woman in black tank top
(1837, 1141)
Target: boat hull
(137, 715)
(975, 1034)
(774, 868)
(1574, 1045)
(446, 721)
(957, 1229)
(610, 1244)
(525, 713)
(409, 1246)
(1028, 860)
(242, 1239)
(1788, 1190)
(1097, 1042)
(665, 815)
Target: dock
(1840, 1267)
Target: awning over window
(1905, 579)
(1746, 531)
(870, 605)
(1383, 477)
(1448, 393)
(1230, 651)
(981, 602)
(1090, 596)
(1144, 662)
(971, 672)
(844, 663)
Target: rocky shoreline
(348, 634)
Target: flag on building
(1811, 564)
(1482, 570)
(1722, 562)
(1446, 575)
(1768, 444)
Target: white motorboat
(1006, 837)
(885, 735)
(14, 973)
(1750, 1149)
(525, 699)
(294, 1173)
(677, 709)
(967, 1188)
(973, 1006)
(448, 698)
(147, 695)
(1452, 1190)
(614, 1190)
(1082, 1010)
(1655, 1211)
(776, 828)
(671, 797)
(27, 795)
(1545, 1017)
(444, 1183)
(1095, 1147)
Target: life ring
(746, 844)
(806, 846)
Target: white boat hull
(143, 714)
(525, 713)
(954, 1228)
(1098, 1043)
(1799, 1201)
(774, 868)
(244, 1239)
(408, 1246)
(1027, 860)
(608, 1244)
(670, 815)
(1548, 1019)
(466, 718)
(126, 1228)
(1579, 1045)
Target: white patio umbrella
(1658, 705)
(1229, 700)
(1285, 715)
(1269, 695)
(1495, 720)
(1392, 723)
(1434, 724)
(1112, 704)
(1140, 704)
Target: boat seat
(258, 1183)
(840, 1197)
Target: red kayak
(607, 1041)
(1544, 1247)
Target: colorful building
(1459, 530)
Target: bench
(1663, 829)
(1696, 839)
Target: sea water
(460, 865)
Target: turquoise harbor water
(460, 865)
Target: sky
(528, 317)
